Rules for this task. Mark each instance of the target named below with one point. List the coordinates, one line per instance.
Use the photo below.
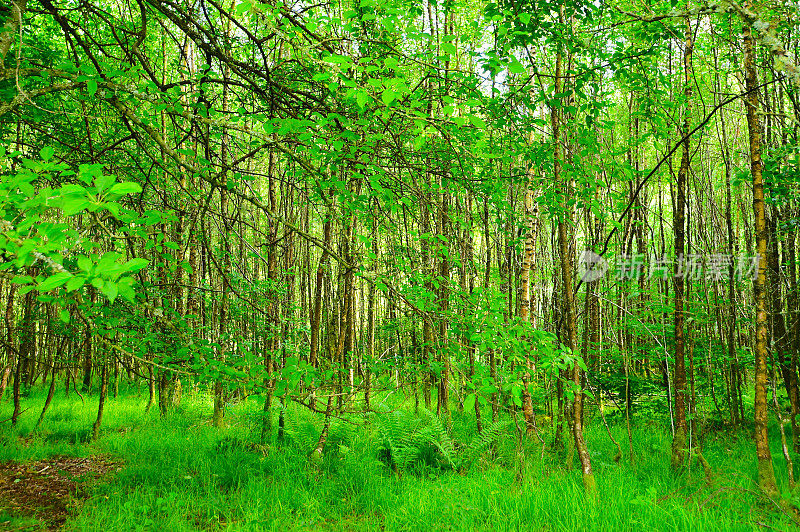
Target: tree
(766, 473)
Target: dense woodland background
(327, 207)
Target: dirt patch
(46, 489)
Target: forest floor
(180, 473)
(45, 489)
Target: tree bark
(766, 472)
(570, 325)
(680, 436)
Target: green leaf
(54, 281)
(103, 181)
(107, 261)
(477, 122)
(125, 289)
(46, 153)
(91, 87)
(110, 290)
(388, 97)
(516, 67)
(135, 265)
(469, 402)
(244, 7)
(64, 316)
(126, 188)
(25, 289)
(84, 263)
(74, 283)
(27, 189)
(74, 205)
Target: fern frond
(483, 442)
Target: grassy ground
(182, 474)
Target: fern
(395, 430)
(436, 434)
(483, 442)
(408, 442)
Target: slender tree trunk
(371, 317)
(532, 224)
(87, 360)
(50, 392)
(779, 336)
(25, 351)
(679, 380)
(5, 373)
(493, 399)
(151, 388)
(766, 472)
(316, 455)
(568, 301)
(316, 312)
(443, 220)
(11, 354)
(273, 306)
(101, 404)
(794, 341)
(427, 326)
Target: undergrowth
(391, 470)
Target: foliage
(178, 475)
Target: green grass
(182, 474)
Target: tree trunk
(103, 393)
(766, 472)
(568, 302)
(531, 221)
(680, 436)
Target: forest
(395, 265)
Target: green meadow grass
(180, 473)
